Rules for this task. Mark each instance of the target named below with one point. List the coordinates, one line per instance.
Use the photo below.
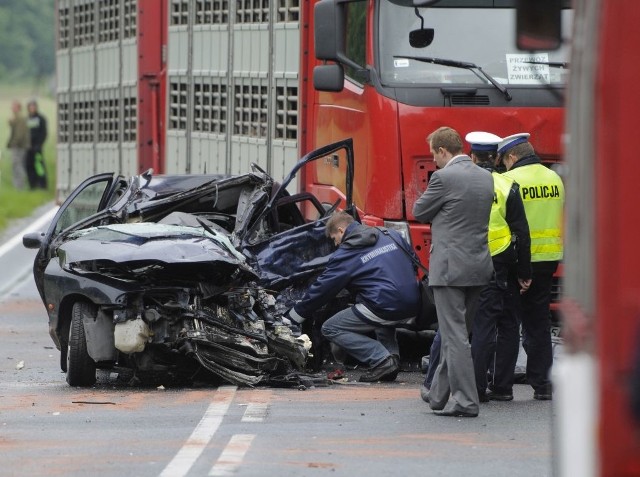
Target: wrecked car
(184, 276)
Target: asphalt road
(112, 429)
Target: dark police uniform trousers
(495, 335)
(536, 323)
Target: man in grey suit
(457, 202)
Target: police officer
(542, 193)
(495, 332)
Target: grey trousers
(349, 332)
(454, 383)
(19, 167)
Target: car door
(90, 197)
(299, 249)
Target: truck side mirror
(330, 29)
(330, 32)
(538, 24)
(328, 77)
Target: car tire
(81, 369)
(64, 350)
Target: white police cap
(483, 141)
(511, 141)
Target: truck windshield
(474, 33)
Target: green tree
(27, 38)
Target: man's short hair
(446, 138)
(521, 150)
(337, 219)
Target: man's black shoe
(542, 396)
(543, 393)
(424, 393)
(483, 397)
(455, 413)
(385, 371)
(494, 396)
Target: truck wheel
(81, 369)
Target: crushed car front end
(170, 299)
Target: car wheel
(64, 349)
(81, 369)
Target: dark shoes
(543, 393)
(385, 371)
(494, 396)
(424, 393)
(483, 397)
(454, 413)
(542, 396)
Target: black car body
(183, 275)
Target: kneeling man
(374, 265)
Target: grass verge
(15, 204)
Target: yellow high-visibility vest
(542, 193)
(499, 231)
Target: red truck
(194, 86)
(598, 379)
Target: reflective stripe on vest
(542, 193)
(499, 231)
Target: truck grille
(469, 100)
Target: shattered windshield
(480, 35)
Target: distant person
(542, 193)
(35, 166)
(18, 144)
(370, 264)
(495, 336)
(457, 202)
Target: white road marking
(31, 385)
(255, 412)
(20, 276)
(201, 435)
(20, 280)
(232, 455)
(36, 226)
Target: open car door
(286, 248)
(92, 196)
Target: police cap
(483, 141)
(511, 141)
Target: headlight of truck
(401, 227)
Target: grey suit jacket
(457, 202)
